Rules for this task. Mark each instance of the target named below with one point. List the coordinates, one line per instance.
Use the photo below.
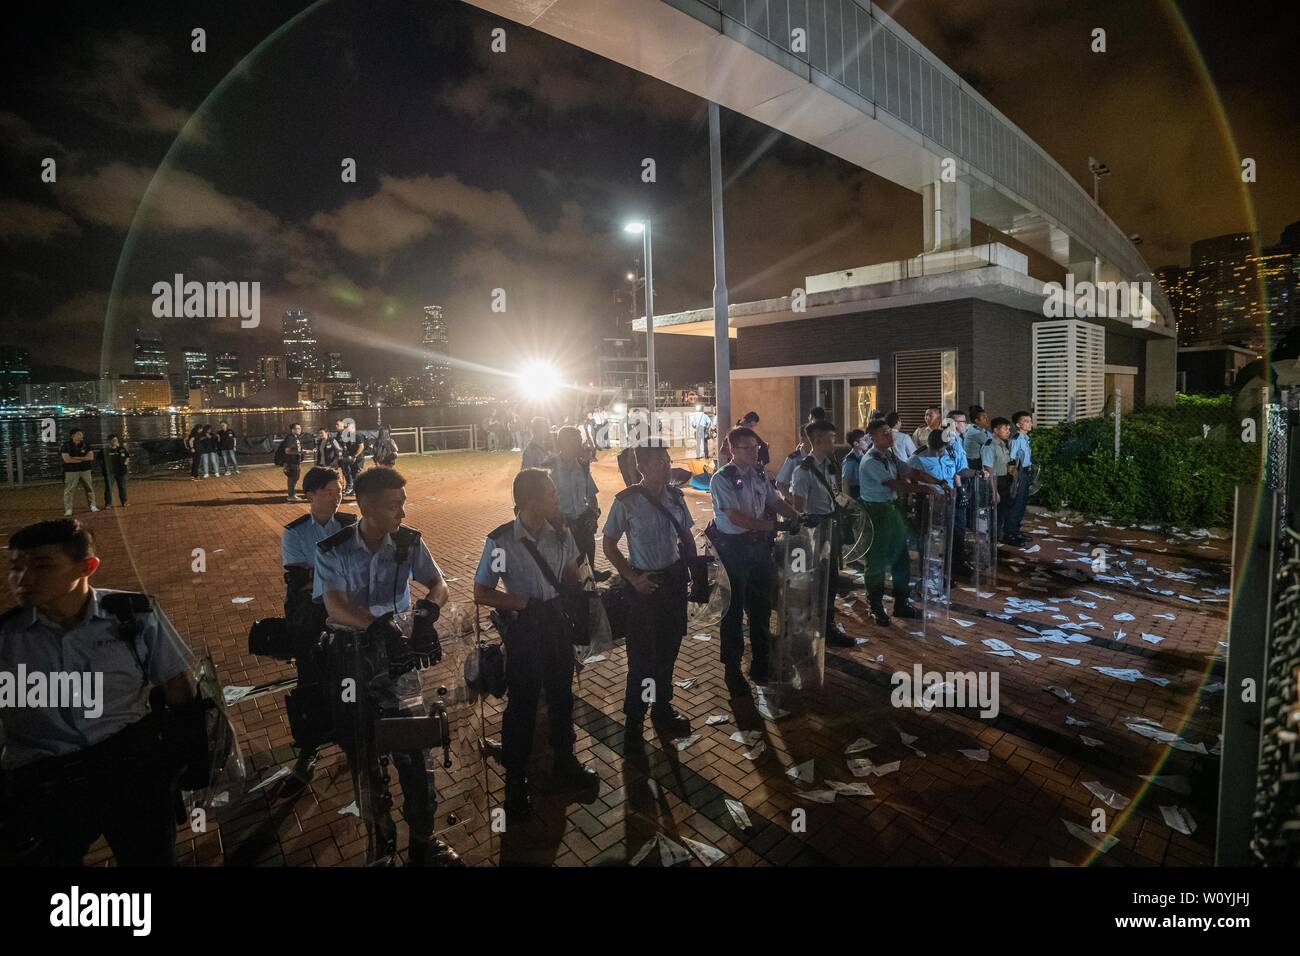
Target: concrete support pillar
(1160, 371)
(947, 216)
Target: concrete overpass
(842, 76)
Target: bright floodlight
(635, 227)
(539, 380)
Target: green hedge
(1167, 472)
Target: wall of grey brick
(1003, 345)
(1124, 350)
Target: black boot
(519, 805)
(836, 636)
(569, 773)
(737, 686)
(670, 721)
(903, 607)
(875, 600)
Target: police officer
(977, 435)
(881, 480)
(1020, 458)
(534, 557)
(654, 516)
(815, 491)
(363, 575)
(537, 451)
(744, 506)
(304, 616)
(785, 474)
(995, 456)
(91, 765)
(965, 471)
(291, 452)
(571, 473)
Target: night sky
(478, 171)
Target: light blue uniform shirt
(505, 559)
(371, 579)
(574, 485)
(298, 543)
(904, 447)
(816, 499)
(849, 470)
(535, 456)
(90, 647)
(957, 452)
(746, 491)
(936, 466)
(652, 543)
(785, 475)
(1019, 450)
(974, 439)
(874, 471)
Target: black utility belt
(106, 754)
(677, 567)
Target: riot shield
(983, 533)
(935, 558)
(803, 569)
(704, 614)
(860, 530)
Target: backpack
(280, 459)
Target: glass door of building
(849, 402)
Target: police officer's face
(42, 575)
(1026, 424)
(883, 438)
(386, 509)
(547, 502)
(328, 497)
(960, 425)
(655, 469)
(1003, 432)
(823, 444)
(745, 452)
(932, 418)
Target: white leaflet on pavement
(802, 771)
(738, 813)
(708, 855)
(1091, 741)
(712, 719)
(757, 752)
(685, 742)
(1075, 722)
(1112, 799)
(1087, 836)
(1125, 616)
(817, 796)
(1062, 693)
(670, 853)
(861, 745)
(240, 600)
(350, 810)
(1072, 661)
(747, 737)
(233, 694)
(282, 772)
(1179, 819)
(953, 641)
(980, 756)
(1151, 638)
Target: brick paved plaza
(967, 790)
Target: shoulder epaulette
(793, 455)
(297, 521)
(619, 496)
(727, 468)
(406, 531)
(334, 540)
(344, 518)
(133, 602)
(496, 534)
(809, 462)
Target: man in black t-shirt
(226, 449)
(78, 459)
(114, 462)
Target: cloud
(180, 202)
(115, 88)
(22, 138)
(27, 221)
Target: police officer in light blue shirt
(745, 510)
(1018, 451)
(84, 759)
(816, 492)
(524, 556)
(363, 575)
(571, 473)
(976, 436)
(785, 475)
(654, 517)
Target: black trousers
(377, 697)
(291, 473)
(584, 536)
(119, 788)
(538, 657)
(960, 522)
(195, 460)
(115, 478)
(748, 562)
(656, 624)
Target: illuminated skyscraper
(301, 360)
(150, 356)
(437, 370)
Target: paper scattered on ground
(282, 772)
(861, 745)
(953, 641)
(642, 853)
(1179, 819)
(738, 813)
(703, 637)
(233, 694)
(981, 755)
(1124, 617)
(685, 684)
(712, 719)
(1091, 741)
(685, 742)
(768, 709)
(1075, 722)
(1112, 799)
(803, 771)
(850, 789)
(240, 600)
(959, 621)
(747, 737)
(1072, 661)
(1104, 844)
(350, 810)
(1152, 639)
(818, 796)
(1130, 674)
(757, 752)
(594, 659)
(708, 855)
(909, 741)
(670, 853)
(1062, 693)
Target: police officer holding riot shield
(305, 617)
(363, 575)
(744, 508)
(654, 516)
(815, 493)
(97, 763)
(535, 559)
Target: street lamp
(642, 228)
(1098, 169)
